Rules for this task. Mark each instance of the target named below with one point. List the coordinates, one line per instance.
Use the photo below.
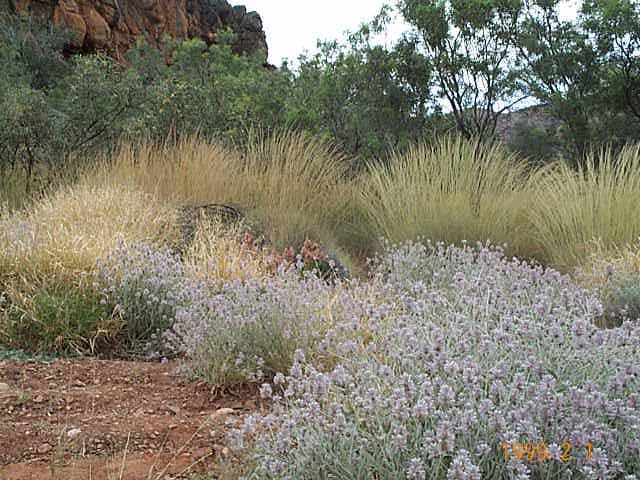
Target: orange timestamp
(532, 452)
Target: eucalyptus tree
(559, 67)
(615, 27)
(470, 45)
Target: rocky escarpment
(114, 26)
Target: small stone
(226, 452)
(38, 399)
(4, 388)
(74, 432)
(224, 411)
(173, 409)
(44, 448)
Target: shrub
(624, 300)
(249, 329)
(594, 210)
(468, 351)
(450, 191)
(146, 286)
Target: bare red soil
(103, 420)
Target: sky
(293, 26)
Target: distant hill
(538, 117)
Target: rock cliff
(113, 26)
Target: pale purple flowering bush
(249, 329)
(145, 285)
(457, 351)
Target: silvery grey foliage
(146, 285)
(249, 329)
(458, 351)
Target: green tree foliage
(31, 64)
(211, 90)
(367, 98)
(52, 109)
(558, 66)
(469, 44)
(615, 24)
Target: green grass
(59, 320)
(450, 191)
(594, 210)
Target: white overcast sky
(293, 26)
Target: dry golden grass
(216, 254)
(591, 211)
(450, 191)
(48, 252)
(62, 236)
(187, 172)
(604, 266)
(287, 183)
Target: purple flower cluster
(444, 355)
(146, 285)
(249, 329)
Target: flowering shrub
(459, 353)
(249, 329)
(146, 285)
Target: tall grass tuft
(593, 210)
(293, 182)
(217, 255)
(48, 253)
(185, 172)
(450, 191)
(288, 183)
(63, 235)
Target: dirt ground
(103, 420)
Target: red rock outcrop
(114, 26)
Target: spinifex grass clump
(463, 354)
(593, 210)
(450, 191)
